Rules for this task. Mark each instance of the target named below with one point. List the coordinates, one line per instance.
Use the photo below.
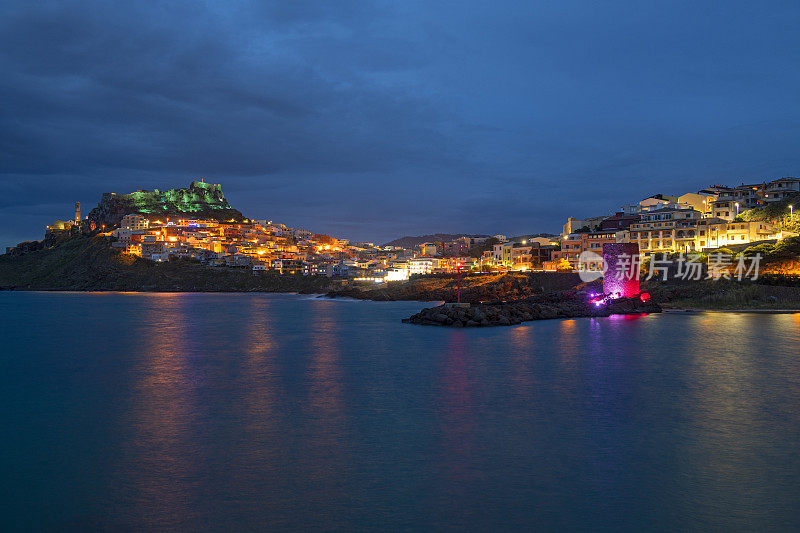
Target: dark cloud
(377, 119)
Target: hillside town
(712, 218)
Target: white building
(422, 265)
(396, 273)
(402, 270)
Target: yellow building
(682, 230)
(60, 225)
(698, 201)
(714, 233)
(134, 249)
(521, 256)
(665, 230)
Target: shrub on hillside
(788, 248)
(764, 249)
(776, 212)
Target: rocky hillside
(199, 200)
(724, 294)
(88, 263)
(778, 213)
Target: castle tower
(77, 212)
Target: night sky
(375, 120)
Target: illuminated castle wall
(618, 258)
(200, 200)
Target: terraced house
(733, 200)
(666, 230)
(683, 230)
(577, 243)
(779, 189)
(714, 233)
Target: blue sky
(375, 120)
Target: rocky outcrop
(507, 314)
(476, 287)
(199, 200)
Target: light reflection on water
(248, 412)
(326, 447)
(161, 459)
(458, 420)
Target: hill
(777, 213)
(199, 200)
(410, 242)
(88, 263)
(532, 236)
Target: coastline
(695, 310)
(153, 291)
(88, 264)
(326, 296)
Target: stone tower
(77, 212)
(621, 269)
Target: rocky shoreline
(541, 308)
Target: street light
(458, 274)
(737, 209)
(791, 212)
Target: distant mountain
(411, 242)
(533, 236)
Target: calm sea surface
(282, 412)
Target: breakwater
(563, 305)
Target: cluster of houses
(262, 245)
(259, 245)
(693, 222)
(690, 223)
